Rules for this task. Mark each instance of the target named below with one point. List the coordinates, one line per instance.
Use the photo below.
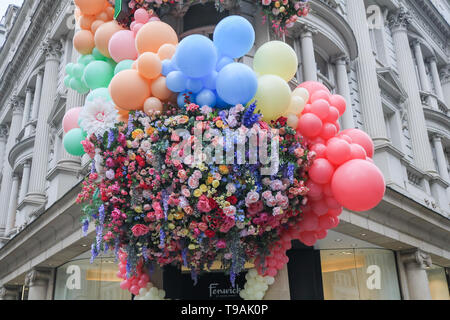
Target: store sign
(74, 279)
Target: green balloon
(72, 142)
(83, 88)
(98, 74)
(86, 59)
(67, 81)
(99, 93)
(98, 56)
(123, 65)
(75, 84)
(77, 70)
(69, 68)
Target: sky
(5, 3)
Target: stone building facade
(389, 58)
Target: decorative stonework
(36, 276)
(52, 49)
(445, 74)
(400, 19)
(9, 293)
(418, 257)
(4, 131)
(18, 104)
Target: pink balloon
(321, 171)
(122, 46)
(361, 138)
(145, 277)
(333, 115)
(310, 222)
(136, 28)
(308, 238)
(307, 109)
(272, 272)
(313, 86)
(320, 150)
(332, 203)
(338, 151)
(309, 125)
(336, 222)
(328, 131)
(338, 126)
(142, 283)
(345, 137)
(321, 234)
(326, 222)
(320, 94)
(357, 152)
(70, 120)
(326, 189)
(317, 140)
(141, 16)
(122, 269)
(315, 189)
(154, 19)
(320, 108)
(358, 185)
(335, 212)
(135, 290)
(319, 208)
(339, 103)
(125, 285)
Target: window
(437, 281)
(201, 15)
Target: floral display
(282, 14)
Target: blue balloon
(234, 36)
(220, 104)
(224, 61)
(196, 56)
(209, 81)
(181, 100)
(237, 83)
(206, 97)
(166, 67)
(194, 85)
(176, 81)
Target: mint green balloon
(69, 68)
(86, 59)
(99, 93)
(67, 81)
(98, 56)
(72, 142)
(123, 65)
(78, 70)
(98, 74)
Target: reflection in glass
(437, 281)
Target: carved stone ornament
(400, 19)
(52, 49)
(35, 276)
(419, 257)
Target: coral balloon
(320, 150)
(328, 131)
(160, 90)
(309, 125)
(153, 35)
(104, 34)
(339, 103)
(166, 51)
(83, 42)
(86, 22)
(313, 86)
(129, 90)
(361, 138)
(338, 151)
(320, 94)
(320, 108)
(321, 171)
(358, 185)
(276, 58)
(149, 65)
(357, 152)
(90, 7)
(95, 25)
(122, 46)
(152, 105)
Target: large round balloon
(102, 93)
(123, 65)
(90, 7)
(83, 42)
(273, 97)
(72, 142)
(276, 58)
(358, 185)
(153, 35)
(122, 46)
(98, 74)
(103, 34)
(196, 56)
(129, 90)
(236, 83)
(234, 36)
(70, 120)
(361, 138)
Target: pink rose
(229, 211)
(203, 204)
(251, 197)
(256, 207)
(139, 230)
(221, 244)
(266, 2)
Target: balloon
(234, 36)
(292, 120)
(136, 28)
(320, 108)
(166, 51)
(134, 289)
(194, 85)
(332, 203)
(196, 56)
(176, 81)
(237, 84)
(78, 86)
(358, 185)
(276, 58)
(313, 86)
(309, 125)
(320, 150)
(335, 212)
(152, 105)
(310, 222)
(338, 102)
(160, 90)
(224, 61)
(302, 93)
(67, 80)
(125, 285)
(328, 131)
(95, 25)
(122, 46)
(321, 171)
(98, 56)
(326, 222)
(338, 151)
(70, 120)
(78, 70)
(320, 94)
(69, 68)
(141, 15)
(273, 97)
(361, 138)
(149, 65)
(85, 22)
(166, 67)
(129, 90)
(296, 106)
(123, 65)
(103, 36)
(308, 238)
(72, 142)
(319, 208)
(321, 234)
(83, 42)
(103, 16)
(357, 152)
(315, 190)
(209, 81)
(333, 115)
(206, 97)
(99, 93)
(90, 7)
(86, 59)
(98, 74)
(153, 35)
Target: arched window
(201, 19)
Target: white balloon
(301, 92)
(161, 294)
(297, 105)
(259, 296)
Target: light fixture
(363, 234)
(84, 245)
(338, 240)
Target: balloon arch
(167, 185)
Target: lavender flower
(85, 227)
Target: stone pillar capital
(9, 293)
(341, 59)
(18, 104)
(418, 257)
(52, 49)
(431, 59)
(307, 30)
(37, 277)
(4, 131)
(399, 20)
(445, 74)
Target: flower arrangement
(282, 14)
(127, 9)
(186, 210)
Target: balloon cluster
(277, 258)
(150, 293)
(73, 133)
(256, 285)
(134, 283)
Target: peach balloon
(90, 7)
(83, 42)
(160, 90)
(103, 16)
(166, 51)
(152, 105)
(153, 35)
(149, 65)
(86, 22)
(123, 114)
(129, 90)
(104, 34)
(96, 24)
(110, 12)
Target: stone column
(445, 81)
(27, 109)
(3, 140)
(343, 89)
(415, 263)
(366, 71)
(308, 57)
(441, 160)
(16, 122)
(398, 22)
(9, 293)
(37, 281)
(25, 180)
(279, 290)
(12, 207)
(423, 77)
(36, 100)
(436, 79)
(36, 194)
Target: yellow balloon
(302, 93)
(276, 58)
(273, 97)
(297, 105)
